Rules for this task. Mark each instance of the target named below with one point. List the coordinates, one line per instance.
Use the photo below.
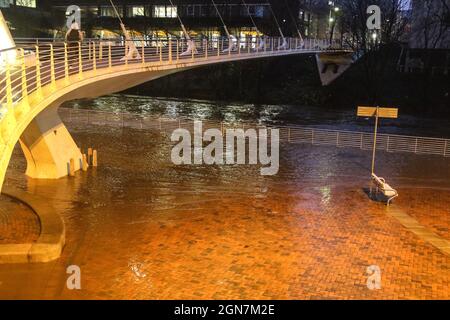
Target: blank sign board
(382, 112)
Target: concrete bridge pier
(332, 65)
(48, 146)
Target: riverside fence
(291, 134)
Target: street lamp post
(334, 10)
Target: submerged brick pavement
(140, 228)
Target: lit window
(171, 12)
(159, 11)
(259, 11)
(5, 3)
(109, 11)
(190, 10)
(26, 3)
(137, 11)
(164, 11)
(254, 10)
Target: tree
(374, 48)
(431, 23)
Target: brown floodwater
(140, 227)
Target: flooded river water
(140, 227)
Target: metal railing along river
(289, 134)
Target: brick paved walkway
(18, 223)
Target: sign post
(378, 113)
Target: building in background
(27, 18)
(313, 18)
(151, 18)
(159, 17)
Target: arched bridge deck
(38, 75)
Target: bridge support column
(48, 147)
(332, 65)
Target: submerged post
(94, 159)
(72, 167)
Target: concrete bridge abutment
(48, 147)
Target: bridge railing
(35, 65)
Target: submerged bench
(381, 186)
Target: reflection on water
(265, 114)
(140, 227)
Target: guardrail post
(143, 53)
(109, 56)
(218, 47)
(178, 50)
(445, 148)
(9, 98)
(387, 143)
(24, 81)
(66, 63)
(80, 62)
(160, 51)
(38, 72)
(170, 50)
(206, 49)
(94, 57)
(415, 146)
(52, 66)
(126, 52)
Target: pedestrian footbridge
(38, 75)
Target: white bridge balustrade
(47, 72)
